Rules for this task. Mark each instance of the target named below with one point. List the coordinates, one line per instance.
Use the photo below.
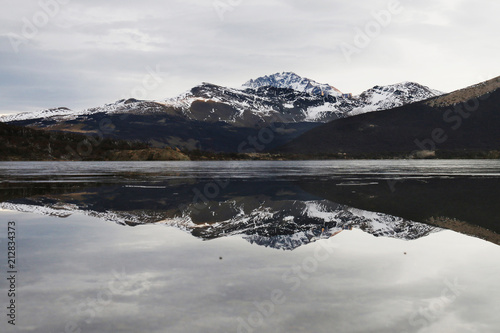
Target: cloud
(91, 53)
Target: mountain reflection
(284, 212)
(277, 214)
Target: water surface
(343, 246)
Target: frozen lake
(312, 246)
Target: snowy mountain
(53, 113)
(64, 114)
(391, 96)
(216, 118)
(286, 95)
(209, 102)
(297, 99)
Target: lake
(301, 246)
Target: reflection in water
(278, 214)
(272, 203)
(284, 213)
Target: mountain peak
(293, 81)
(407, 85)
(391, 96)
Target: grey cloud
(91, 52)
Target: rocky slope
(259, 101)
(290, 80)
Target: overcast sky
(86, 53)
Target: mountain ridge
(312, 101)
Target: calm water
(331, 246)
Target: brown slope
(465, 94)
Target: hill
(26, 144)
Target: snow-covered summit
(64, 114)
(392, 96)
(293, 81)
(47, 113)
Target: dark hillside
(471, 125)
(27, 144)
